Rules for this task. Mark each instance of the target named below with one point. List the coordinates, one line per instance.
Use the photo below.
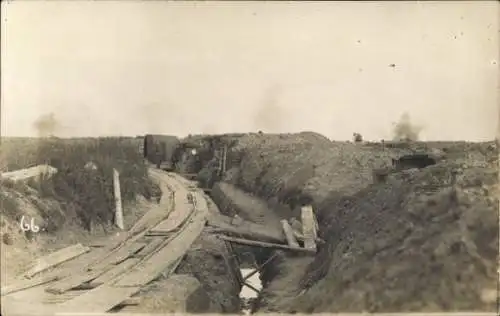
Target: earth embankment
(421, 240)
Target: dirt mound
(180, 293)
(409, 243)
(208, 260)
(307, 163)
(423, 241)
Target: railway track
(109, 276)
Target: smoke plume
(404, 130)
(47, 125)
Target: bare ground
(424, 240)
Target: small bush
(9, 205)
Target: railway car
(160, 149)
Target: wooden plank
(98, 300)
(118, 200)
(265, 244)
(260, 267)
(119, 256)
(177, 217)
(115, 272)
(149, 270)
(26, 284)
(246, 229)
(60, 298)
(131, 301)
(56, 258)
(154, 216)
(176, 248)
(174, 266)
(73, 281)
(38, 172)
(151, 218)
(151, 247)
(308, 227)
(290, 238)
(234, 263)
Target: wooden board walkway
(114, 272)
(123, 279)
(97, 268)
(178, 216)
(167, 256)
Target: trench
(276, 263)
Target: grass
(86, 193)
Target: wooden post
(258, 269)
(308, 227)
(118, 200)
(224, 158)
(265, 244)
(290, 238)
(251, 287)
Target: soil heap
(422, 240)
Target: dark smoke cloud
(47, 125)
(404, 130)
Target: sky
(105, 68)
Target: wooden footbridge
(100, 278)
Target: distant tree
(357, 137)
(404, 130)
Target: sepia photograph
(249, 157)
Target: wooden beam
(56, 258)
(116, 271)
(234, 263)
(260, 267)
(119, 256)
(246, 229)
(118, 200)
(26, 284)
(290, 238)
(265, 244)
(73, 281)
(251, 287)
(174, 249)
(308, 227)
(131, 301)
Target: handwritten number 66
(31, 226)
